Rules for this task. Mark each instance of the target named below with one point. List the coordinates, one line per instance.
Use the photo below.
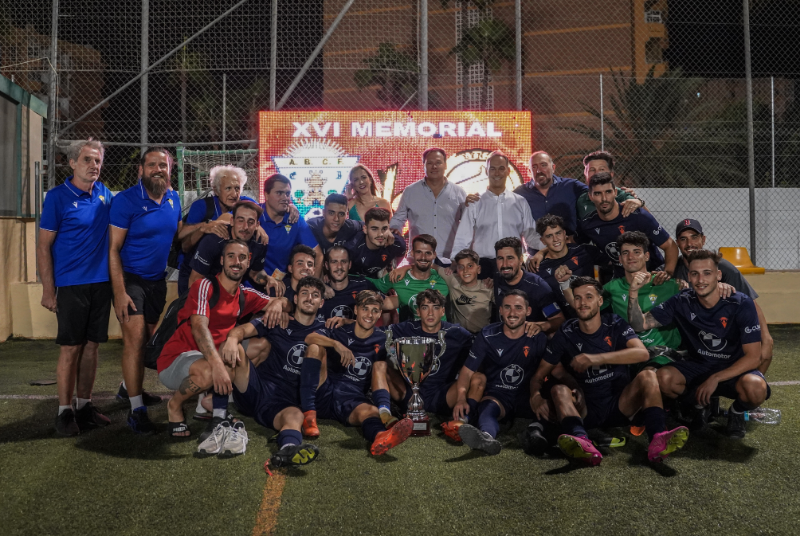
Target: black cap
(688, 224)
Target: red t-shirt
(221, 319)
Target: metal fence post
(602, 129)
(273, 54)
(518, 51)
(224, 99)
(145, 61)
(181, 176)
(751, 164)
(423, 55)
(772, 111)
(52, 101)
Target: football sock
(62, 409)
(655, 420)
(288, 438)
(381, 398)
(219, 403)
(80, 402)
(136, 402)
(488, 413)
(740, 407)
(371, 427)
(573, 426)
(309, 380)
(473, 409)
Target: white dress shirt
(428, 214)
(494, 217)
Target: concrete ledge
(778, 296)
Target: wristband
(564, 285)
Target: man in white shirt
(432, 205)
(500, 213)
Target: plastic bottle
(763, 415)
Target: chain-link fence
(659, 83)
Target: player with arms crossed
(593, 352)
(723, 337)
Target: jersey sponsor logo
(412, 304)
(549, 270)
(289, 331)
(657, 231)
(350, 341)
(628, 331)
(363, 260)
(757, 327)
(711, 341)
(597, 231)
(75, 204)
(360, 368)
(500, 352)
(296, 354)
(342, 311)
(624, 297)
(724, 321)
(320, 317)
(692, 315)
(512, 375)
(597, 370)
(653, 298)
(579, 345)
(612, 252)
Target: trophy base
(421, 425)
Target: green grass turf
(111, 482)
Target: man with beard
(333, 228)
(420, 277)
(189, 363)
(143, 222)
(590, 355)
(377, 248)
(603, 227)
(723, 337)
(603, 162)
(272, 394)
(507, 355)
(542, 304)
(344, 382)
(340, 309)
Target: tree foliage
(394, 71)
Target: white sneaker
(235, 442)
(213, 443)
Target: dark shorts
(336, 400)
(83, 312)
(605, 413)
(434, 398)
(511, 402)
(149, 297)
(262, 400)
(696, 373)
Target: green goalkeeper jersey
(650, 295)
(407, 290)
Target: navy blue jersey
(507, 363)
(366, 352)
(286, 356)
(600, 382)
(713, 335)
(445, 368)
(580, 259)
(604, 235)
(349, 230)
(370, 262)
(541, 299)
(343, 303)
(206, 258)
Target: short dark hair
(369, 297)
(497, 153)
(536, 153)
(636, 238)
(311, 281)
(375, 213)
(547, 221)
(433, 150)
(517, 292)
(467, 254)
(248, 205)
(234, 241)
(170, 160)
(600, 155)
(337, 199)
(301, 248)
(425, 239)
(432, 296)
(337, 247)
(600, 179)
(509, 242)
(269, 184)
(583, 281)
(704, 254)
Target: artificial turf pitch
(111, 482)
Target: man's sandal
(176, 429)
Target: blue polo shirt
(151, 228)
(561, 200)
(80, 219)
(283, 237)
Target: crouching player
(349, 355)
(507, 355)
(595, 350)
(723, 336)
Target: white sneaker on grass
(213, 443)
(235, 442)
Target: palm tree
(394, 71)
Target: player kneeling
(349, 354)
(593, 352)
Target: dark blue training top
(283, 237)
(561, 200)
(151, 228)
(80, 219)
(366, 352)
(541, 299)
(207, 255)
(580, 259)
(370, 262)
(713, 335)
(601, 382)
(604, 235)
(349, 230)
(343, 303)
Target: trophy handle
(442, 343)
(390, 349)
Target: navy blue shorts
(604, 413)
(263, 399)
(434, 398)
(696, 373)
(511, 402)
(336, 400)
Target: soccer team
(289, 318)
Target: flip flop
(178, 428)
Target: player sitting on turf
(272, 394)
(189, 363)
(723, 337)
(438, 391)
(377, 248)
(595, 350)
(507, 356)
(348, 355)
